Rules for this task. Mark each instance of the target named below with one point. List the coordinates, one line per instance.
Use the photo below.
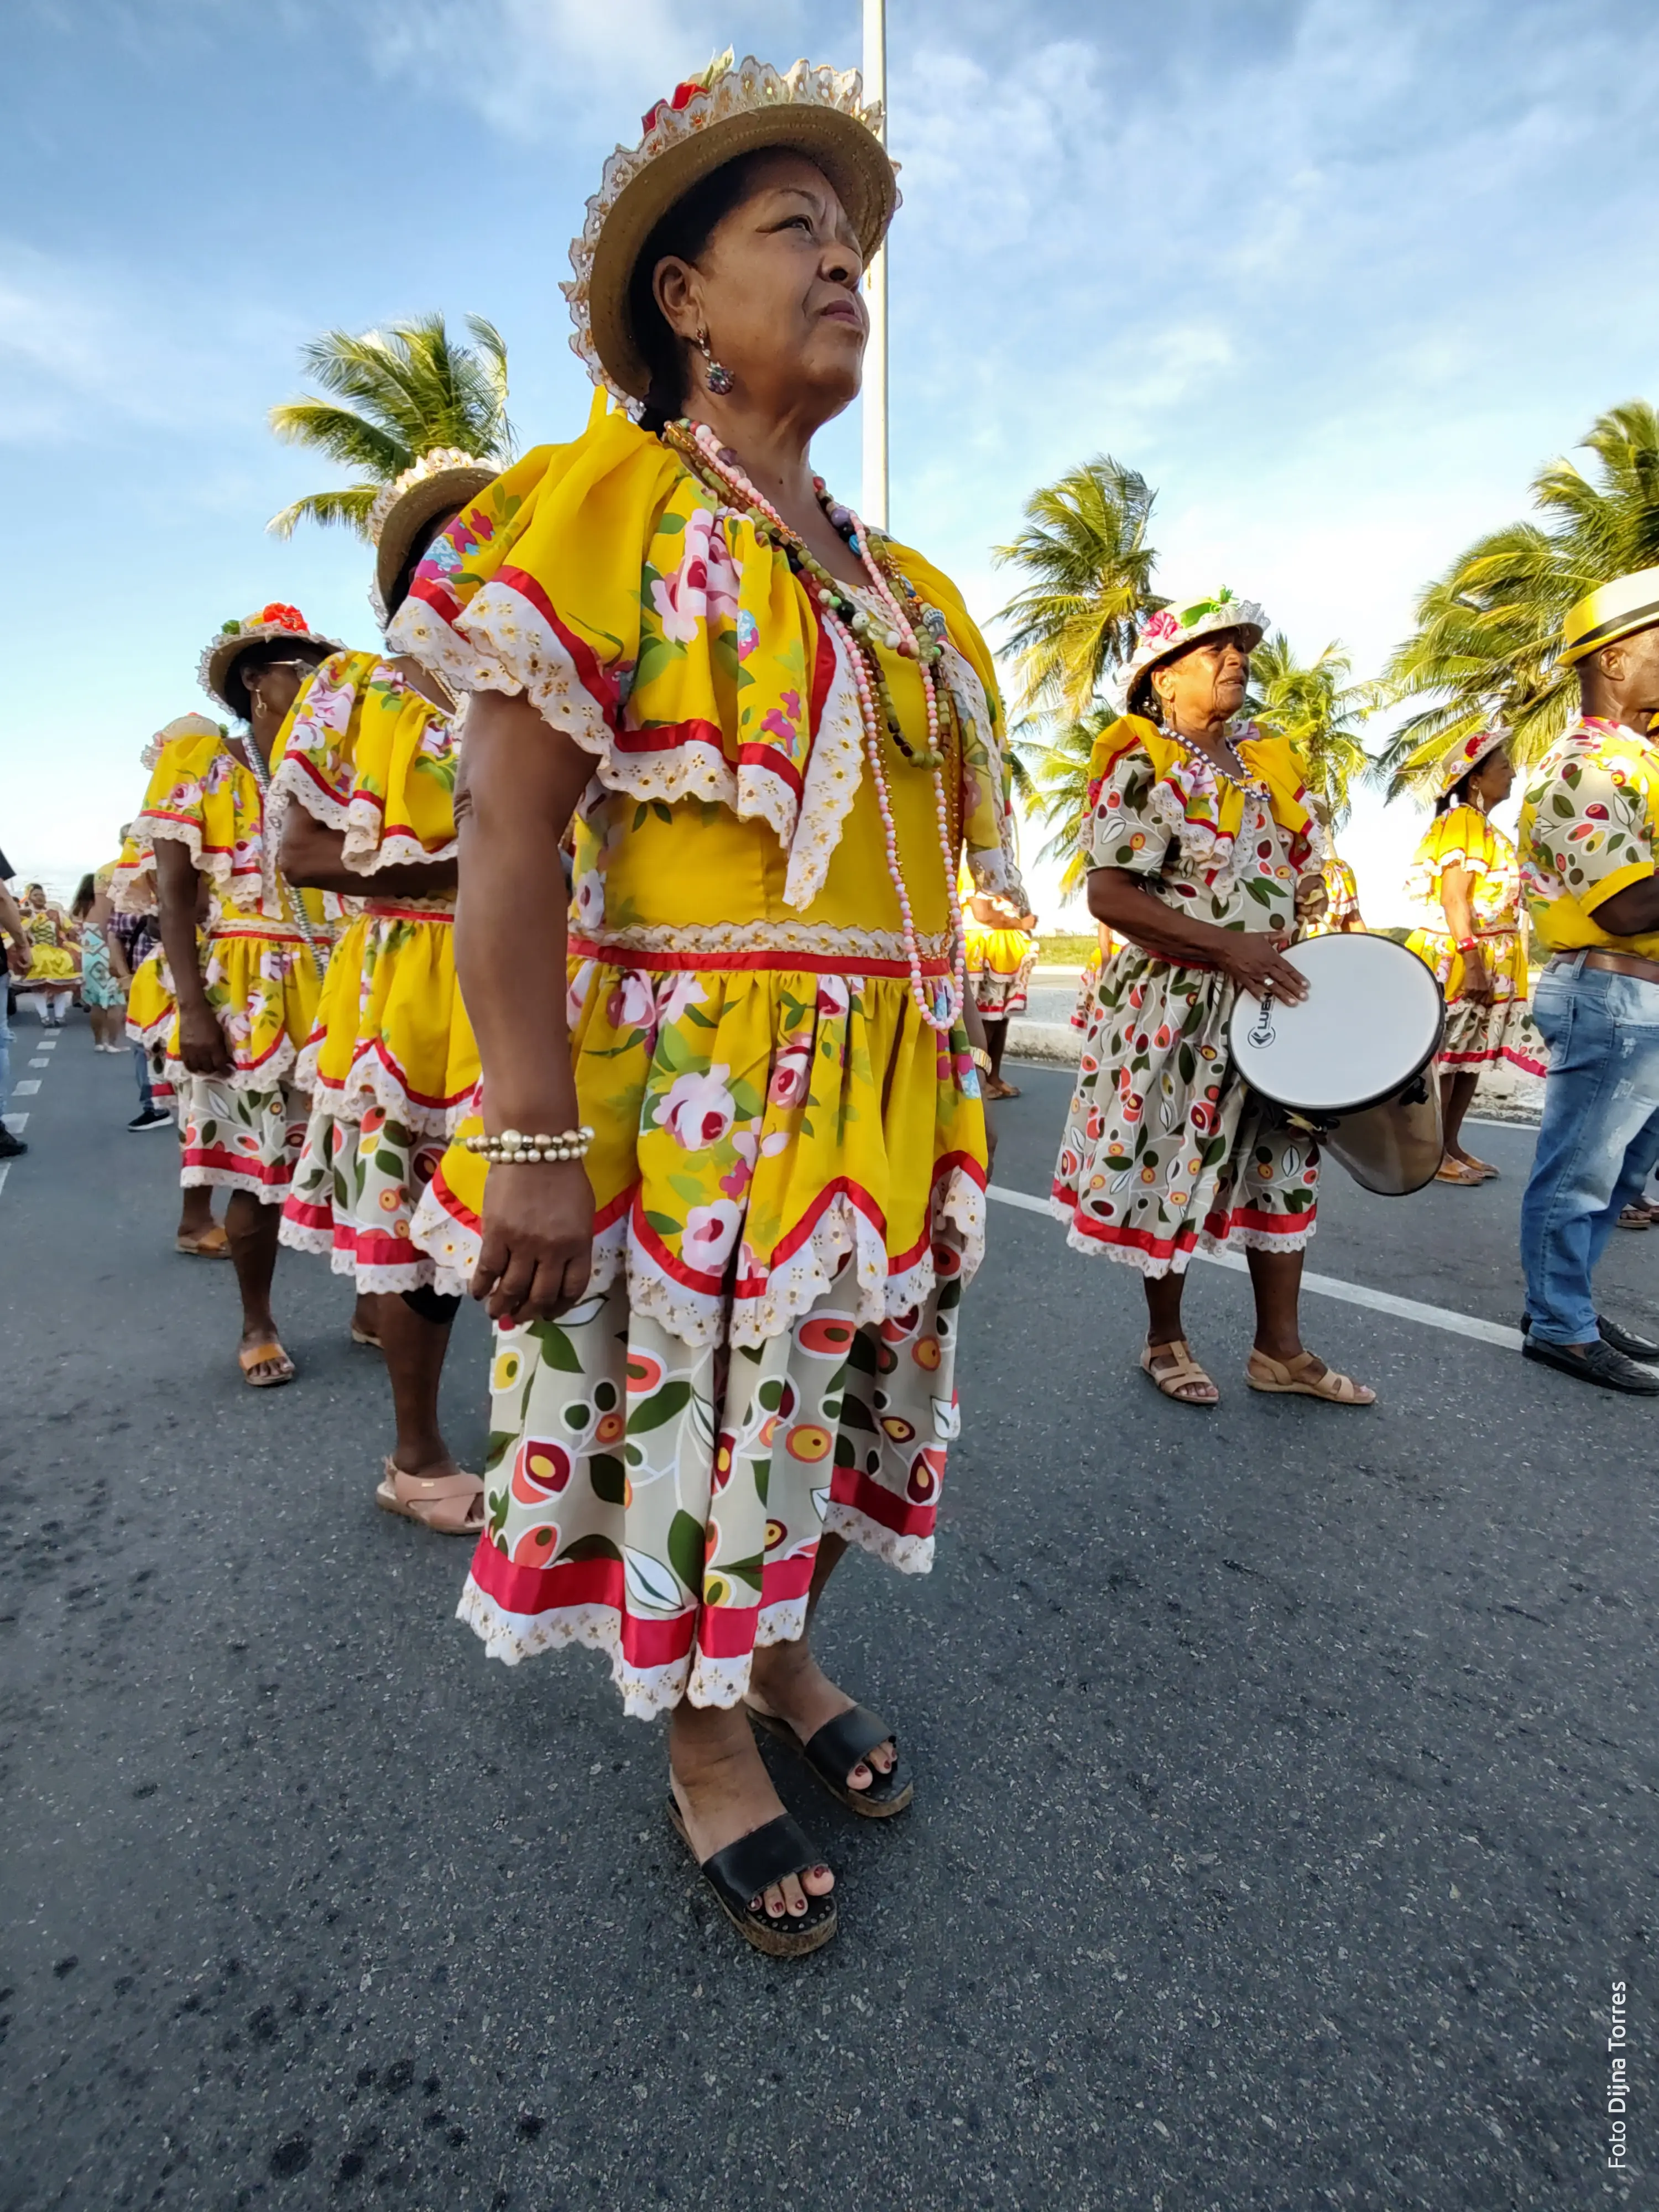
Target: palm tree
(406, 391)
(1485, 646)
(1085, 549)
(1058, 794)
(1314, 705)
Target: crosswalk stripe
(1327, 1286)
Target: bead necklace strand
(858, 636)
(287, 895)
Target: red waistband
(389, 910)
(799, 963)
(264, 933)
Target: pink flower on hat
(1156, 627)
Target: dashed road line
(1327, 1286)
(26, 1090)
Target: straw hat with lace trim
(442, 481)
(704, 123)
(274, 625)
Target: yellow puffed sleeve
(654, 628)
(365, 753)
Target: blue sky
(1336, 275)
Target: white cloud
(531, 68)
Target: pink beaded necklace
(857, 634)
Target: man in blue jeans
(1589, 843)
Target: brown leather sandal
(1450, 1170)
(211, 1244)
(1185, 1371)
(442, 1503)
(1290, 1378)
(260, 1355)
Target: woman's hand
(1254, 959)
(538, 1248)
(1477, 979)
(202, 1044)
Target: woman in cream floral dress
(1198, 840)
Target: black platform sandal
(833, 1751)
(744, 1870)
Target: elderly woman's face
(776, 289)
(1206, 682)
(1495, 777)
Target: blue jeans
(5, 1043)
(1599, 1139)
(140, 1068)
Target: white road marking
(41, 1062)
(15, 1123)
(5, 1169)
(26, 1090)
(47, 1044)
(1329, 1286)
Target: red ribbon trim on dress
(800, 963)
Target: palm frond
(395, 395)
(1484, 650)
(349, 508)
(1089, 567)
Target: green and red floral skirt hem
(664, 1502)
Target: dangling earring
(720, 378)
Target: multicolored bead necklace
(859, 633)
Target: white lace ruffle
(1149, 1264)
(911, 1555)
(647, 1693)
(832, 782)
(997, 871)
(372, 1083)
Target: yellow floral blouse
(261, 980)
(745, 1046)
(391, 1063)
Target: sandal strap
(766, 1855)
(836, 1749)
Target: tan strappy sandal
(1185, 1371)
(1291, 1378)
(442, 1502)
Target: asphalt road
(1285, 1815)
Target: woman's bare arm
(1252, 957)
(520, 784)
(313, 856)
(1456, 885)
(201, 1045)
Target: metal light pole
(875, 287)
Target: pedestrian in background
(1589, 843)
(101, 993)
(16, 964)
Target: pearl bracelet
(514, 1146)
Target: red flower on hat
(278, 616)
(1160, 625)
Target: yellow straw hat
(703, 123)
(1612, 611)
(446, 479)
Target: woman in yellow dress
(1002, 952)
(245, 1009)
(735, 1144)
(52, 969)
(365, 782)
(1465, 882)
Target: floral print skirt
(355, 1186)
(239, 1136)
(1000, 963)
(1166, 1150)
(664, 1502)
(1476, 1036)
(390, 1066)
